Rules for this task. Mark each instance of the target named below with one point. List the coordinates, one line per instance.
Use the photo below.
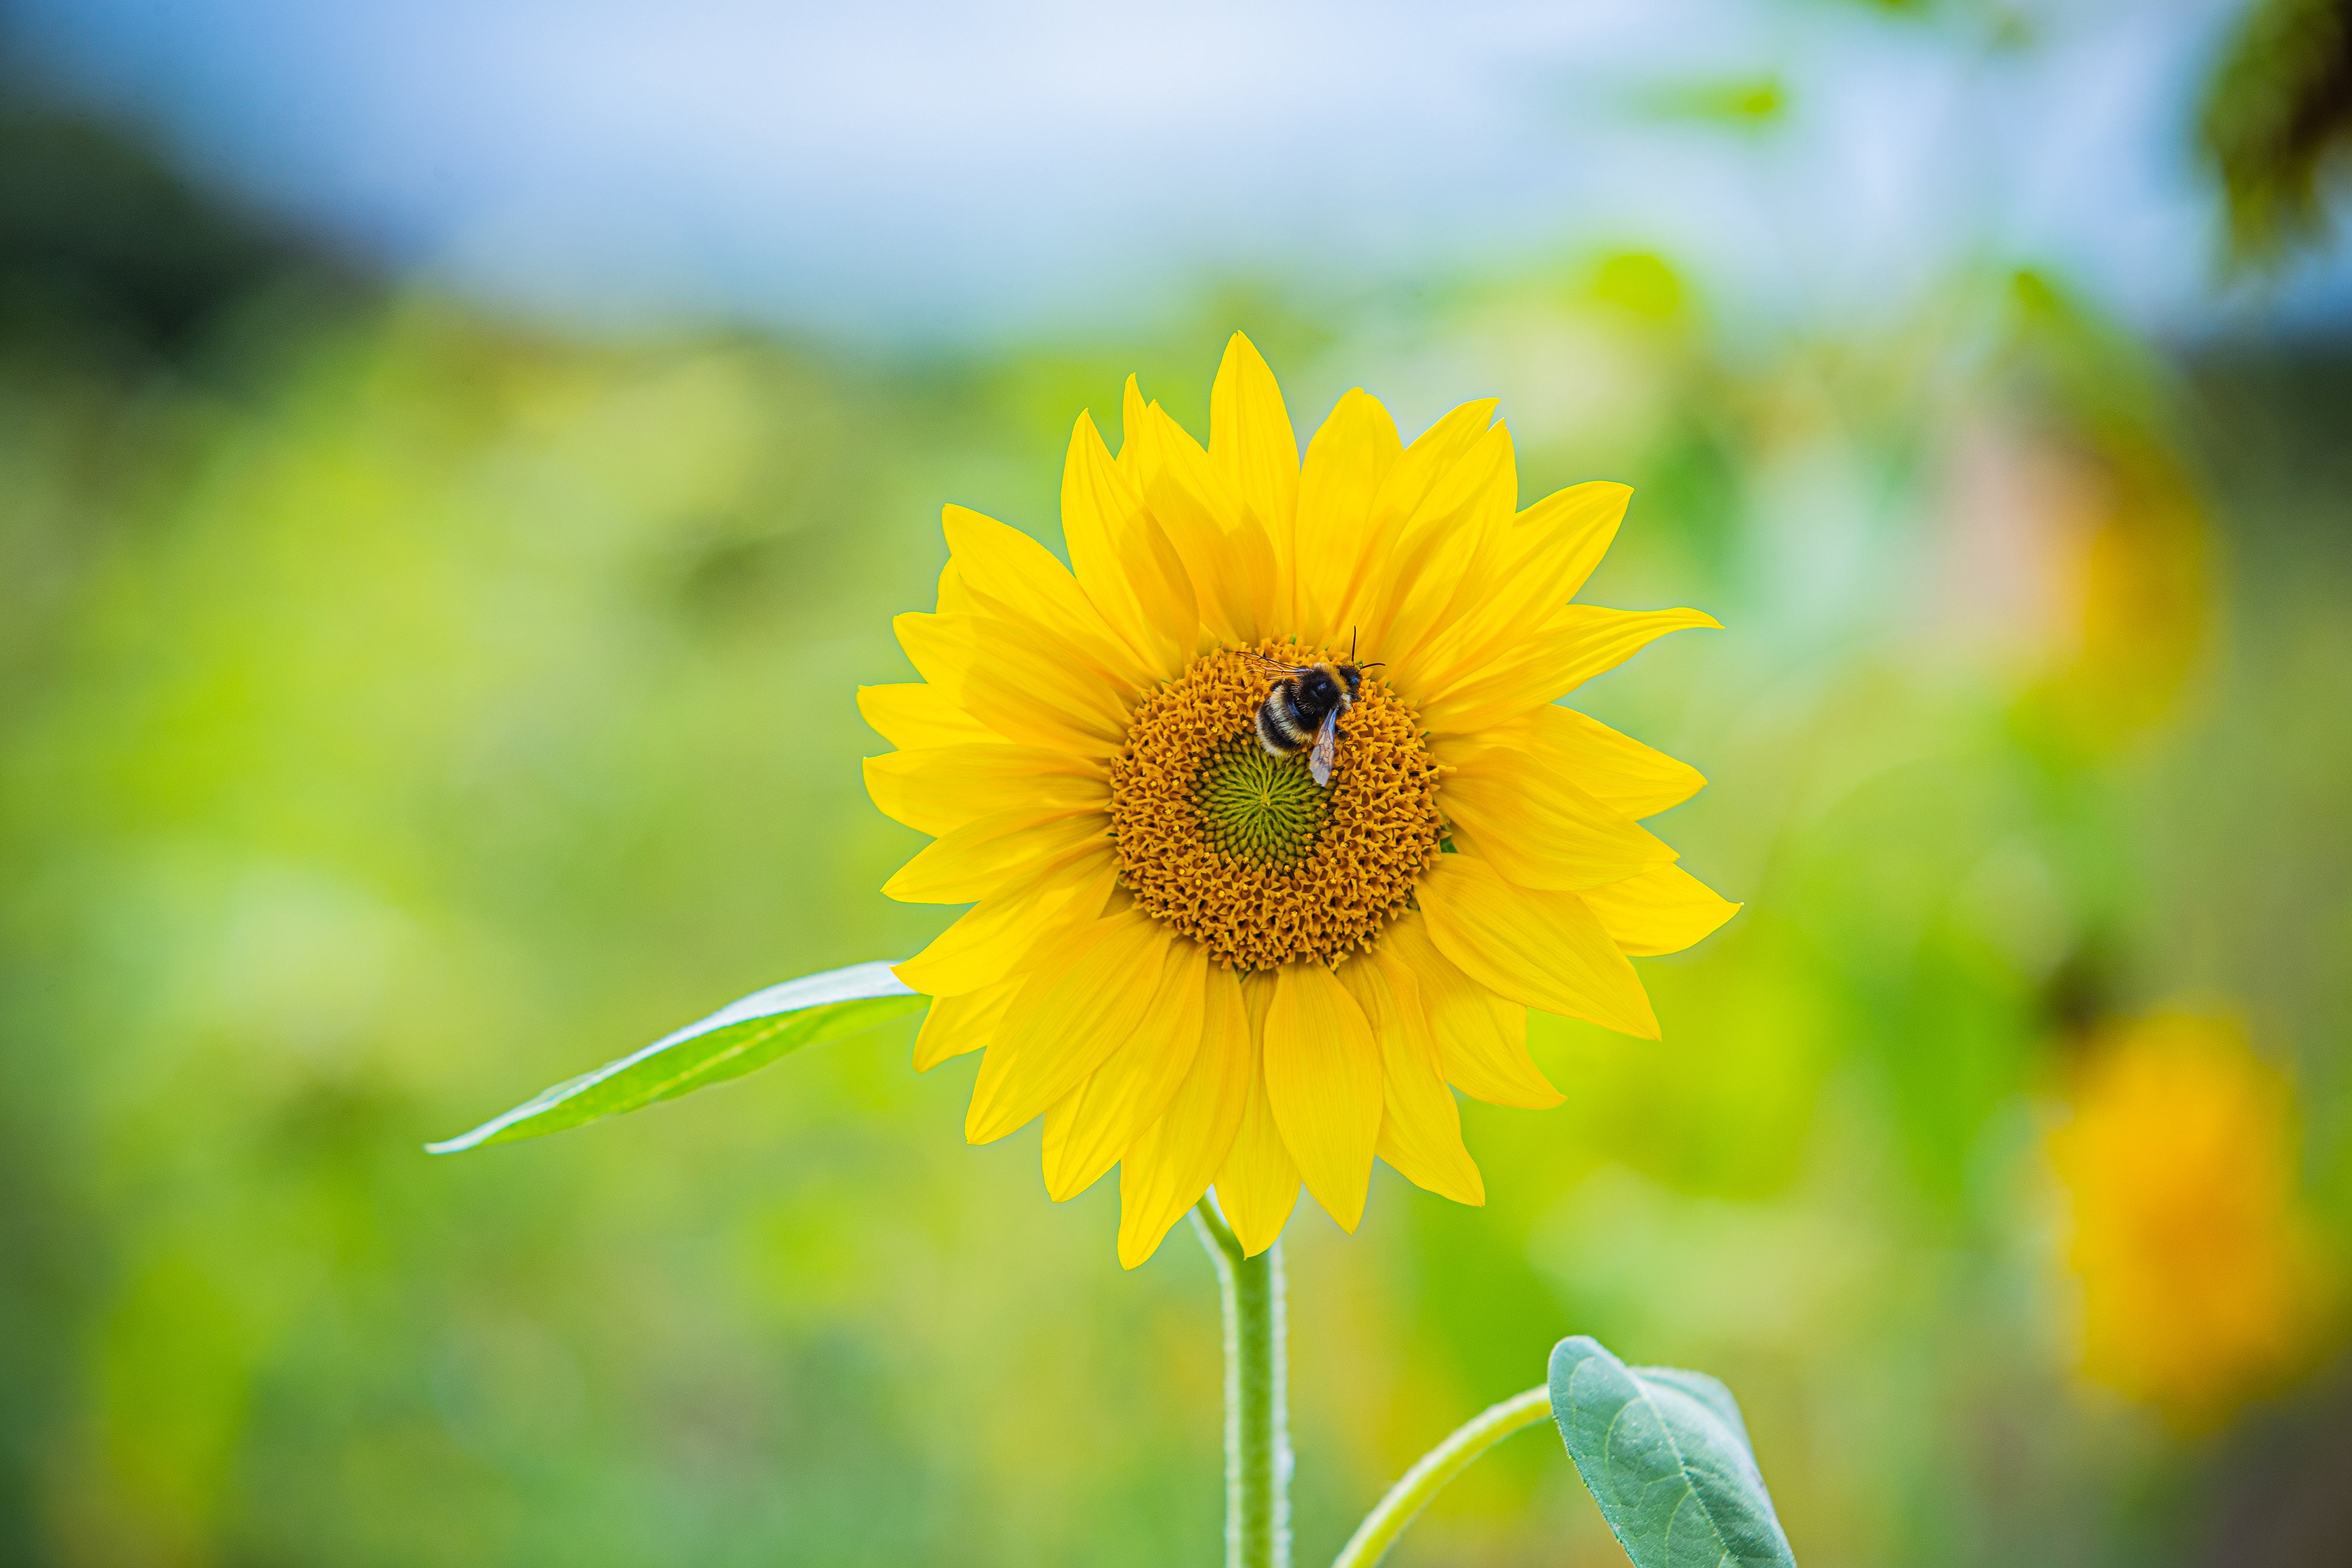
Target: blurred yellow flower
(2201, 1283)
(1192, 960)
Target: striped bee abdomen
(1282, 729)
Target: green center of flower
(1257, 806)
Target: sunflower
(1189, 958)
(2202, 1281)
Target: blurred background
(457, 462)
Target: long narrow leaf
(738, 1038)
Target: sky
(912, 171)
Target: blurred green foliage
(2277, 123)
(1743, 103)
(401, 709)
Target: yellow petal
(914, 716)
(1131, 572)
(1571, 530)
(1455, 528)
(1018, 679)
(1257, 1186)
(1604, 638)
(956, 1026)
(1168, 1167)
(1023, 683)
(997, 936)
(1132, 436)
(1617, 770)
(1345, 464)
(1013, 577)
(1536, 567)
(1129, 1092)
(975, 861)
(1061, 1117)
(1323, 1082)
(1251, 446)
(1481, 1039)
(1545, 949)
(1198, 540)
(1661, 910)
(938, 790)
(1420, 1126)
(1227, 555)
(1583, 640)
(1421, 490)
(953, 598)
(938, 646)
(1086, 995)
(1538, 828)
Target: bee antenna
(1374, 664)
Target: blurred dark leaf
(737, 1039)
(2278, 115)
(1666, 1457)
(97, 229)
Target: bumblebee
(1304, 708)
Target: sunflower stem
(1257, 1397)
(1405, 1500)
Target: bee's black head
(1328, 683)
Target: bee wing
(1277, 666)
(1327, 749)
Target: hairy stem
(1257, 1421)
(1433, 1470)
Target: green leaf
(737, 1039)
(1745, 103)
(1665, 1455)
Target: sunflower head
(2202, 1284)
(1188, 956)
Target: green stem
(1434, 1469)
(1257, 1399)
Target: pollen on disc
(1243, 850)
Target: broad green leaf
(736, 1040)
(1665, 1455)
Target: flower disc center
(1253, 804)
(1243, 852)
